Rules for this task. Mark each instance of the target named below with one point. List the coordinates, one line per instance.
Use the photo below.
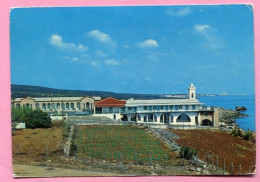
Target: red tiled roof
(110, 102)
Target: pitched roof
(110, 102)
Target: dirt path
(20, 170)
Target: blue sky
(145, 49)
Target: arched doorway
(206, 122)
(183, 118)
(124, 118)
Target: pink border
(5, 132)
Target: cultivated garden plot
(120, 143)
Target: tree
(18, 115)
(37, 119)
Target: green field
(120, 143)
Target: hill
(38, 91)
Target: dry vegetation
(233, 149)
(37, 144)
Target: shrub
(187, 152)
(37, 119)
(237, 132)
(249, 136)
(32, 118)
(18, 115)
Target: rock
(198, 169)
(48, 161)
(205, 172)
(153, 173)
(192, 168)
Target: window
(145, 107)
(180, 107)
(122, 109)
(139, 118)
(130, 108)
(99, 110)
(116, 109)
(183, 118)
(186, 107)
(193, 107)
(37, 106)
(67, 106)
(162, 107)
(171, 107)
(78, 105)
(157, 107)
(110, 109)
(150, 108)
(104, 110)
(72, 105)
(135, 108)
(166, 107)
(48, 106)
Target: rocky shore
(227, 116)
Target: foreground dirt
(223, 146)
(20, 170)
(37, 144)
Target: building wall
(27, 101)
(54, 105)
(117, 117)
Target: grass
(121, 143)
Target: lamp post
(51, 103)
(62, 109)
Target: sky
(135, 49)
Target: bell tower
(192, 91)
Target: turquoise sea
(230, 102)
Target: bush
(32, 118)
(37, 119)
(249, 136)
(187, 152)
(19, 113)
(237, 132)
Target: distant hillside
(37, 91)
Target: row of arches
(58, 105)
(166, 118)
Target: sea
(230, 102)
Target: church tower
(192, 89)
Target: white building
(159, 111)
